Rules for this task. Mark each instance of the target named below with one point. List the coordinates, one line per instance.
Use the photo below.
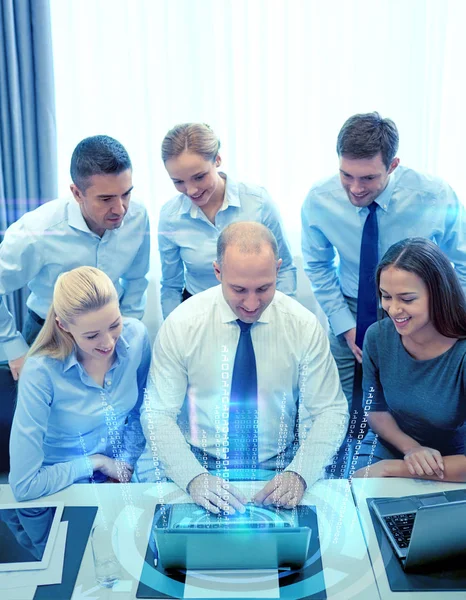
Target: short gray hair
(248, 236)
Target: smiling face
(96, 332)
(405, 299)
(248, 281)
(196, 177)
(105, 201)
(363, 179)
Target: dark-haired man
(351, 219)
(243, 384)
(97, 227)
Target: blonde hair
(76, 292)
(197, 138)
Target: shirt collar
(231, 198)
(383, 199)
(228, 316)
(76, 220)
(75, 217)
(121, 351)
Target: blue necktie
(367, 294)
(243, 404)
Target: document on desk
(51, 575)
(258, 583)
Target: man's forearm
(322, 441)
(168, 445)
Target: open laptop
(189, 537)
(426, 528)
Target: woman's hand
(424, 461)
(116, 470)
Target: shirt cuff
(14, 348)
(342, 321)
(183, 480)
(310, 476)
(82, 467)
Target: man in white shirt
(97, 227)
(301, 410)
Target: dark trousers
(7, 409)
(185, 295)
(32, 325)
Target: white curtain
(276, 79)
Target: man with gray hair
(243, 385)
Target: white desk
(380, 487)
(347, 570)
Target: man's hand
(116, 470)
(215, 494)
(424, 461)
(285, 490)
(350, 337)
(16, 366)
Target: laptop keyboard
(401, 527)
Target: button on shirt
(188, 240)
(189, 387)
(55, 238)
(63, 416)
(412, 205)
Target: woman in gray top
(414, 369)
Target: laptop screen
(193, 516)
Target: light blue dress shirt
(63, 416)
(188, 240)
(53, 239)
(412, 205)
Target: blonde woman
(208, 201)
(80, 392)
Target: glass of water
(104, 539)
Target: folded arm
(454, 469)
(29, 478)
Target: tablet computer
(27, 535)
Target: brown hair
(447, 302)
(365, 135)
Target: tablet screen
(27, 536)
